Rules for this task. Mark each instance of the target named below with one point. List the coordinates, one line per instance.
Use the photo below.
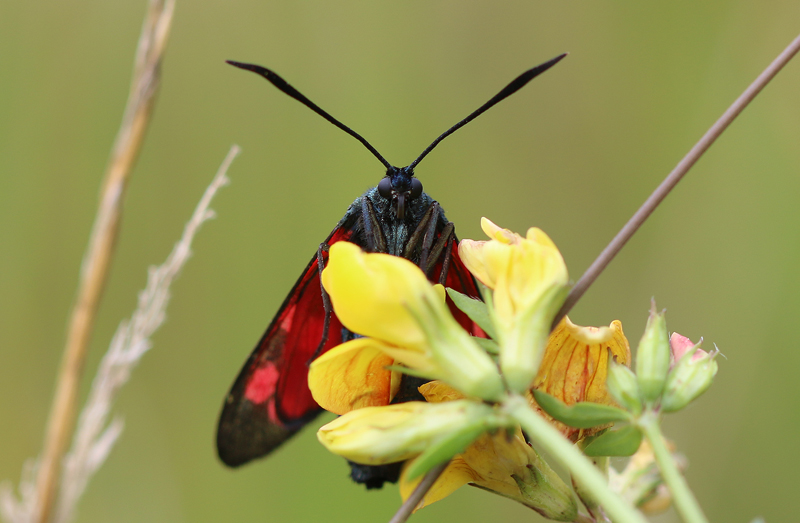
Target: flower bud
(529, 283)
(624, 388)
(653, 357)
(691, 375)
(392, 433)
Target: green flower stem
(547, 438)
(684, 499)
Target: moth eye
(385, 187)
(416, 188)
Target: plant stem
(97, 259)
(547, 438)
(682, 496)
(408, 506)
(674, 177)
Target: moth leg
(427, 259)
(445, 242)
(326, 303)
(421, 229)
(373, 234)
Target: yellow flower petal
(457, 474)
(495, 232)
(351, 376)
(501, 464)
(372, 293)
(496, 458)
(575, 365)
(537, 235)
(390, 299)
(439, 391)
(529, 281)
(487, 261)
(392, 433)
(535, 266)
(359, 435)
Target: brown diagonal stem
(97, 258)
(674, 177)
(408, 506)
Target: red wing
(270, 399)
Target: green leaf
(582, 415)
(444, 449)
(475, 309)
(622, 442)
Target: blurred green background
(575, 153)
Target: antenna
(515, 85)
(284, 86)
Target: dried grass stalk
(97, 259)
(95, 435)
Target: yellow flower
(390, 301)
(573, 369)
(494, 460)
(528, 279)
(575, 366)
(392, 433)
(352, 376)
(406, 321)
(502, 463)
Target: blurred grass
(574, 153)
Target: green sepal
(488, 345)
(475, 309)
(653, 356)
(444, 449)
(582, 415)
(407, 370)
(621, 382)
(621, 442)
(688, 379)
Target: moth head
(400, 187)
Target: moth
(270, 400)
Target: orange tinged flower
(575, 366)
(353, 376)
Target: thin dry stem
(635, 222)
(97, 259)
(408, 506)
(95, 436)
(674, 177)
